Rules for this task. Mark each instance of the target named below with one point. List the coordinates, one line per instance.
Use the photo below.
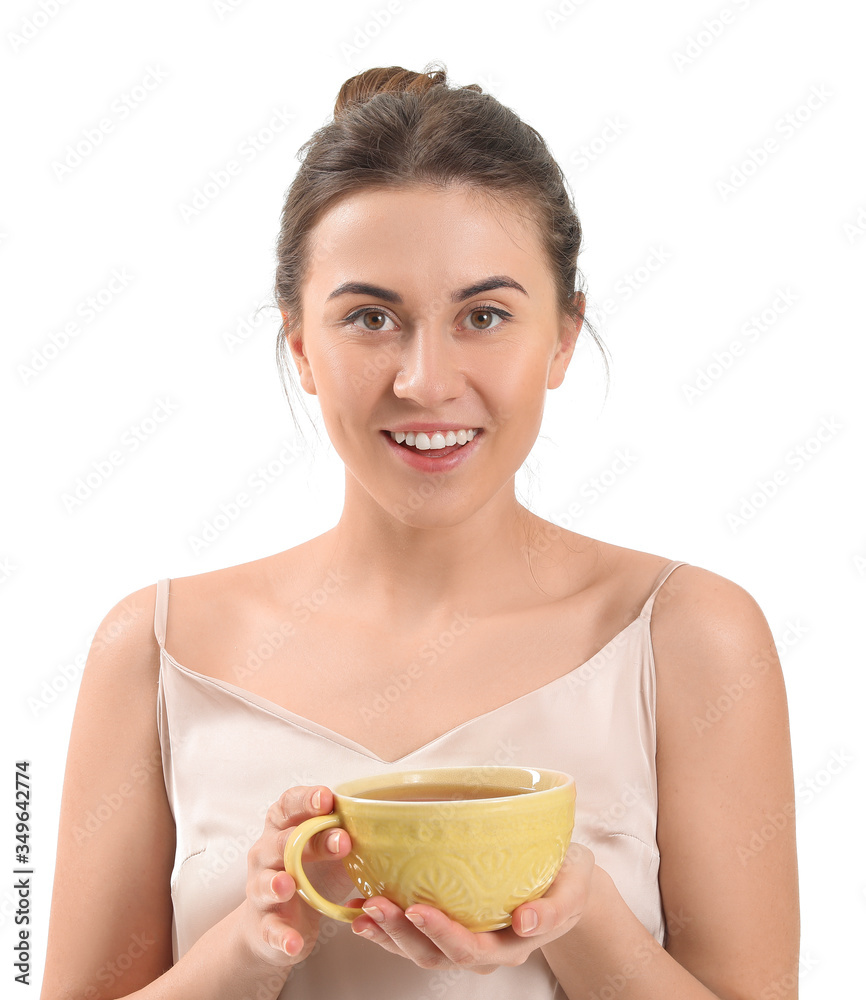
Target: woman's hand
(431, 940)
(278, 927)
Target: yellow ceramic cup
(474, 842)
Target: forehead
(423, 237)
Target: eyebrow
(485, 285)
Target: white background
(690, 109)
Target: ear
(568, 334)
(295, 340)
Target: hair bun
(391, 80)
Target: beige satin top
(228, 753)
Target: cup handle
(292, 858)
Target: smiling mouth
(439, 442)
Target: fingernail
(528, 920)
(416, 919)
(366, 933)
(333, 842)
(317, 799)
(374, 912)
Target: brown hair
(393, 127)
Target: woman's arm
(110, 926)
(728, 873)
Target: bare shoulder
(728, 873)
(124, 642)
(114, 807)
(626, 575)
(212, 614)
(706, 628)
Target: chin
(423, 509)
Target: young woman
(426, 277)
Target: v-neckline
(280, 711)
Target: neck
(414, 572)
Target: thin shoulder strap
(160, 611)
(646, 610)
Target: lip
(425, 428)
(424, 462)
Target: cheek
(520, 391)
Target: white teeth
(438, 439)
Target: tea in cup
(475, 842)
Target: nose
(429, 371)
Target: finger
(366, 927)
(381, 916)
(270, 888)
(563, 903)
(482, 951)
(281, 936)
(297, 804)
(329, 845)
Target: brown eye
(378, 321)
(371, 320)
(484, 317)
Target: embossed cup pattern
(476, 860)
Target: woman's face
(422, 347)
